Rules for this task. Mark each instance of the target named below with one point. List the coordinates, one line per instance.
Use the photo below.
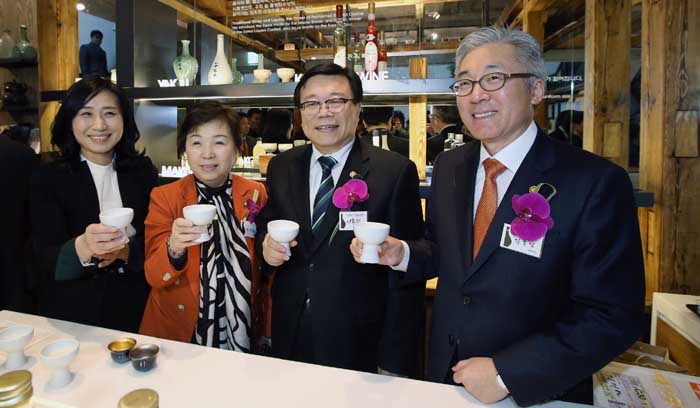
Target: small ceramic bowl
(120, 349)
(143, 357)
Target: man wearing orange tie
(536, 243)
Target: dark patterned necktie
(324, 193)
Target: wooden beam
(509, 12)
(670, 92)
(214, 8)
(534, 23)
(565, 34)
(607, 79)
(239, 39)
(417, 113)
(57, 22)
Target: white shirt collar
(513, 155)
(92, 164)
(340, 155)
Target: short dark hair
(277, 124)
(567, 117)
(376, 115)
(96, 33)
(331, 69)
(77, 96)
(400, 116)
(447, 114)
(205, 112)
(253, 111)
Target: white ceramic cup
(285, 74)
(284, 232)
(371, 234)
(13, 339)
(200, 214)
(117, 217)
(57, 356)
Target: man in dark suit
(445, 120)
(513, 313)
(16, 163)
(93, 59)
(328, 309)
(378, 119)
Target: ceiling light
(80, 6)
(434, 36)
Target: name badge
(348, 219)
(249, 229)
(510, 241)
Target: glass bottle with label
(371, 50)
(340, 54)
(357, 55)
(258, 149)
(382, 65)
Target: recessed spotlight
(80, 7)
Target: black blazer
(16, 164)
(93, 60)
(548, 323)
(63, 203)
(359, 321)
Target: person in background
(93, 59)
(445, 120)
(278, 126)
(92, 273)
(398, 124)
(255, 119)
(205, 292)
(17, 164)
(248, 140)
(536, 243)
(569, 128)
(378, 118)
(328, 309)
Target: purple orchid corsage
(354, 191)
(253, 210)
(532, 219)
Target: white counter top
(192, 376)
(671, 308)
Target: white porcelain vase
(220, 72)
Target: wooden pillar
(417, 111)
(607, 79)
(669, 158)
(533, 23)
(58, 56)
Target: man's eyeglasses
(334, 105)
(489, 82)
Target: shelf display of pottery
(185, 65)
(237, 75)
(23, 49)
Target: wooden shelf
(405, 49)
(17, 63)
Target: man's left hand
(478, 376)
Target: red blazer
(173, 305)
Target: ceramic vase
(237, 75)
(220, 71)
(23, 49)
(185, 65)
(7, 44)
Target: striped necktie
(324, 193)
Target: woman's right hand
(99, 239)
(183, 234)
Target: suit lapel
(88, 197)
(531, 172)
(358, 161)
(463, 182)
(299, 171)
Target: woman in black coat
(92, 273)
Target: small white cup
(117, 217)
(371, 234)
(200, 214)
(13, 339)
(57, 356)
(284, 232)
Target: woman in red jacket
(204, 293)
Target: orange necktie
(487, 203)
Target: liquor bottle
(340, 54)
(459, 141)
(382, 65)
(371, 51)
(357, 55)
(449, 141)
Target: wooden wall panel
(417, 110)
(13, 13)
(670, 86)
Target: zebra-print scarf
(224, 277)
